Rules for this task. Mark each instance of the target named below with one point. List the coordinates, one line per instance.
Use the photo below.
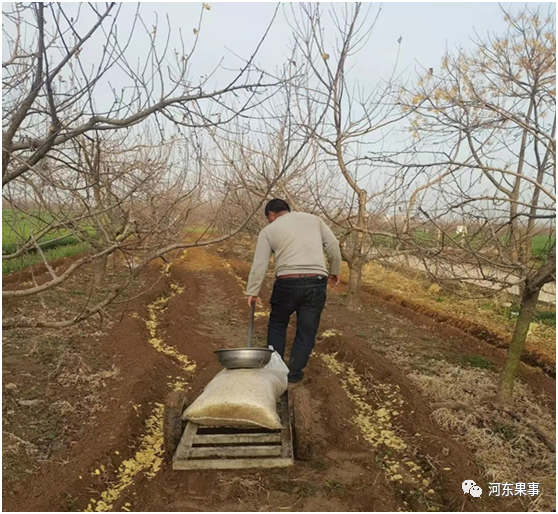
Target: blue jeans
(305, 296)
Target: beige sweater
(298, 241)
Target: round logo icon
(475, 491)
(466, 485)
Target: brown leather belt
(301, 275)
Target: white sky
(229, 28)
(427, 29)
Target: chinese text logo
(507, 489)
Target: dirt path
(377, 447)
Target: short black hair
(276, 205)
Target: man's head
(276, 208)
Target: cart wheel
(301, 423)
(173, 426)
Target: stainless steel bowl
(235, 358)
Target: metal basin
(235, 358)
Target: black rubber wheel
(173, 426)
(301, 416)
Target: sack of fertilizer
(242, 397)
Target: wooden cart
(193, 446)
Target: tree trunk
(518, 248)
(357, 261)
(355, 280)
(100, 271)
(526, 313)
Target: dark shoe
(295, 379)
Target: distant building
(461, 230)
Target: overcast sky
(426, 28)
(426, 31)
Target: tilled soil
(376, 446)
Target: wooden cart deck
(204, 447)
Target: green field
(31, 258)
(540, 245)
(17, 227)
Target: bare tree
(485, 129)
(49, 94)
(357, 122)
(263, 157)
(117, 169)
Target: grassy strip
(29, 259)
(497, 314)
(17, 228)
(540, 244)
(49, 244)
(57, 249)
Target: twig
(540, 434)
(451, 405)
(287, 508)
(520, 419)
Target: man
(297, 241)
